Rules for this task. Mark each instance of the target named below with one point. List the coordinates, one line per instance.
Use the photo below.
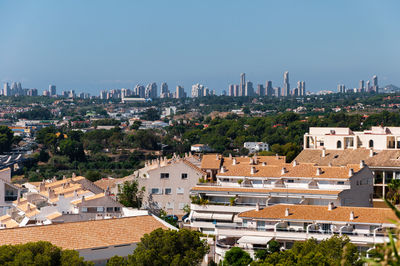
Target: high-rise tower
(286, 84)
(242, 87)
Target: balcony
(10, 197)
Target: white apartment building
(286, 224)
(254, 147)
(379, 147)
(244, 182)
(8, 191)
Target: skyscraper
(277, 91)
(242, 87)
(269, 91)
(303, 88)
(249, 90)
(368, 86)
(53, 90)
(197, 90)
(361, 88)
(341, 88)
(236, 90)
(6, 89)
(260, 90)
(180, 92)
(286, 84)
(151, 91)
(231, 90)
(164, 93)
(375, 86)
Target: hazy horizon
(94, 45)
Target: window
(260, 225)
(290, 181)
(181, 205)
(244, 223)
(84, 209)
(169, 205)
(117, 209)
(371, 143)
(110, 209)
(164, 175)
(168, 191)
(340, 182)
(100, 209)
(184, 176)
(155, 191)
(180, 190)
(339, 144)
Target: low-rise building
(286, 224)
(96, 241)
(254, 147)
(200, 148)
(8, 191)
(244, 182)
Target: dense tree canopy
(237, 257)
(6, 139)
(39, 253)
(130, 195)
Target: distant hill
(391, 88)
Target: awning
(222, 216)
(202, 215)
(260, 240)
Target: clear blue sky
(93, 44)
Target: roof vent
(234, 161)
(319, 171)
(371, 152)
(264, 164)
(294, 163)
(331, 206)
(362, 163)
(287, 213)
(351, 172)
(251, 161)
(283, 171)
(330, 164)
(351, 215)
(217, 157)
(257, 206)
(252, 170)
(222, 169)
(323, 152)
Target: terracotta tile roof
(269, 160)
(266, 190)
(53, 215)
(300, 170)
(384, 158)
(105, 183)
(97, 196)
(321, 213)
(210, 161)
(194, 167)
(83, 235)
(8, 221)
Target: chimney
(230, 155)
(277, 156)
(287, 213)
(351, 172)
(257, 206)
(251, 161)
(264, 164)
(371, 152)
(222, 169)
(216, 157)
(42, 186)
(319, 171)
(234, 161)
(83, 199)
(64, 177)
(252, 170)
(283, 171)
(330, 164)
(330, 206)
(73, 175)
(28, 208)
(323, 152)
(351, 215)
(362, 164)
(255, 160)
(294, 163)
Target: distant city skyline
(111, 45)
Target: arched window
(339, 144)
(371, 143)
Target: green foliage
(73, 149)
(106, 122)
(39, 253)
(43, 156)
(333, 251)
(37, 113)
(169, 247)
(136, 125)
(273, 246)
(237, 257)
(130, 195)
(117, 261)
(151, 114)
(6, 139)
(93, 175)
(145, 139)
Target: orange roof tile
(97, 196)
(210, 161)
(321, 213)
(266, 190)
(83, 235)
